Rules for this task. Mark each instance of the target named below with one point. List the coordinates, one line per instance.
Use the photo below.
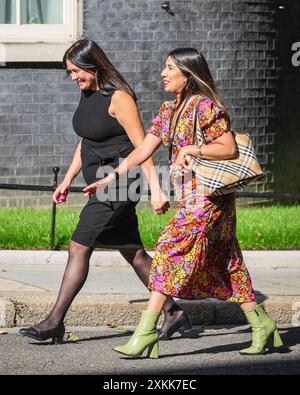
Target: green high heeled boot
(145, 336)
(262, 328)
(269, 325)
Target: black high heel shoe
(183, 321)
(57, 333)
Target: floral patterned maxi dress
(197, 255)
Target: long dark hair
(87, 55)
(194, 67)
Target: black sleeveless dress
(110, 223)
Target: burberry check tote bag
(219, 177)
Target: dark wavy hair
(194, 67)
(87, 55)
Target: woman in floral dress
(197, 255)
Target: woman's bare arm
(75, 165)
(138, 156)
(223, 147)
(72, 172)
(124, 109)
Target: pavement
(205, 351)
(113, 296)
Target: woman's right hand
(61, 192)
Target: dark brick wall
(35, 130)
(238, 38)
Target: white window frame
(41, 42)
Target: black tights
(74, 277)
(76, 273)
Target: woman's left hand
(159, 202)
(91, 189)
(181, 159)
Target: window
(30, 29)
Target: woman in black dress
(108, 122)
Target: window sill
(32, 52)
